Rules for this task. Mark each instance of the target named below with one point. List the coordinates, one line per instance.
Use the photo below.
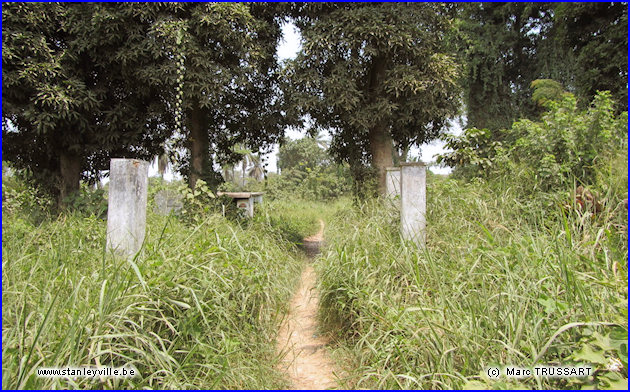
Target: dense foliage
(566, 146)
(197, 308)
(301, 154)
(506, 46)
(526, 256)
(75, 92)
(505, 280)
(86, 82)
(373, 74)
(229, 91)
(308, 172)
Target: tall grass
(502, 281)
(197, 308)
(294, 219)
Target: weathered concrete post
(393, 181)
(413, 186)
(127, 205)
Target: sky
(288, 49)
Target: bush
(88, 202)
(19, 198)
(568, 145)
(319, 183)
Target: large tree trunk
(70, 170)
(381, 149)
(198, 145)
(379, 136)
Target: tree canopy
(302, 153)
(230, 92)
(84, 82)
(73, 91)
(506, 46)
(373, 74)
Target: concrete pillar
(413, 186)
(127, 205)
(393, 181)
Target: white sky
(288, 49)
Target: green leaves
(120, 79)
(302, 153)
(608, 354)
(567, 144)
(73, 83)
(507, 46)
(369, 65)
(551, 305)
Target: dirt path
(319, 236)
(305, 358)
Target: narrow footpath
(305, 359)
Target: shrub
(319, 183)
(565, 146)
(18, 197)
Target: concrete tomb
(167, 201)
(245, 200)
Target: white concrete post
(127, 205)
(393, 181)
(413, 186)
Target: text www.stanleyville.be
(87, 372)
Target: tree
(308, 172)
(230, 92)
(501, 45)
(257, 170)
(73, 93)
(595, 37)
(506, 46)
(566, 145)
(320, 139)
(247, 157)
(85, 82)
(545, 91)
(374, 74)
(302, 153)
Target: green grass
(296, 219)
(502, 281)
(198, 308)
